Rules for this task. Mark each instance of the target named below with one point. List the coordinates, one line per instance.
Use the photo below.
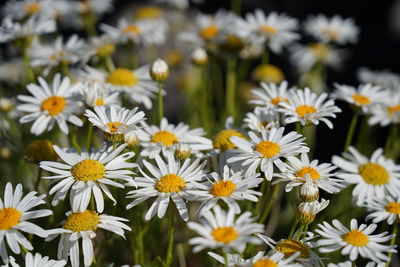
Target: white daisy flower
(307, 108)
(261, 118)
(23, 9)
(300, 171)
(180, 4)
(387, 209)
(266, 150)
(229, 187)
(220, 229)
(332, 30)
(86, 173)
(168, 180)
(374, 177)
(364, 96)
(14, 215)
(387, 112)
(270, 95)
(115, 121)
(354, 241)
(98, 7)
(136, 84)
(37, 260)
(276, 30)
(51, 104)
(164, 139)
(98, 94)
(101, 47)
(350, 264)
(221, 141)
(383, 78)
(84, 225)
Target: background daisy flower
(38, 260)
(387, 112)
(261, 118)
(387, 209)
(98, 94)
(270, 95)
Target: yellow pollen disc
(308, 170)
(105, 50)
(209, 32)
(99, 102)
(132, 29)
(122, 77)
(304, 110)
(223, 189)
(222, 142)
(32, 8)
(268, 149)
(268, 29)
(82, 221)
(88, 170)
(320, 50)
(148, 12)
(170, 183)
(360, 99)
(374, 173)
(393, 207)
(9, 217)
(265, 263)
(356, 238)
(225, 234)
(290, 246)
(279, 99)
(165, 137)
(393, 109)
(267, 73)
(53, 105)
(114, 126)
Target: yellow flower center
(40, 150)
(393, 207)
(209, 32)
(32, 8)
(225, 234)
(279, 99)
(265, 263)
(308, 170)
(360, 99)
(333, 34)
(9, 217)
(99, 102)
(268, 29)
(53, 105)
(222, 142)
(132, 29)
(82, 221)
(122, 77)
(320, 50)
(165, 137)
(268, 73)
(268, 149)
(304, 110)
(290, 246)
(88, 170)
(148, 12)
(223, 189)
(105, 50)
(356, 238)
(114, 126)
(374, 173)
(170, 183)
(393, 109)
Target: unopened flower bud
(199, 56)
(131, 139)
(40, 150)
(6, 104)
(307, 211)
(5, 153)
(159, 71)
(182, 151)
(309, 192)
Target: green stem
(299, 128)
(391, 138)
(226, 259)
(350, 132)
(301, 228)
(204, 97)
(169, 257)
(27, 62)
(293, 228)
(267, 210)
(393, 241)
(133, 57)
(263, 197)
(160, 102)
(89, 137)
(64, 69)
(39, 174)
(230, 87)
(265, 56)
(109, 63)
(139, 244)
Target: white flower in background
(98, 94)
(265, 150)
(221, 141)
(383, 78)
(167, 180)
(100, 47)
(358, 240)
(50, 104)
(84, 225)
(155, 140)
(307, 108)
(115, 121)
(350, 264)
(387, 112)
(136, 84)
(300, 171)
(270, 95)
(180, 4)
(14, 215)
(23, 9)
(220, 229)
(12, 72)
(374, 177)
(85, 173)
(98, 7)
(387, 209)
(275, 30)
(306, 211)
(364, 96)
(37, 260)
(332, 30)
(10, 30)
(229, 187)
(261, 119)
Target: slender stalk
(230, 87)
(293, 228)
(267, 209)
(160, 102)
(204, 97)
(109, 63)
(265, 56)
(89, 137)
(39, 175)
(350, 132)
(226, 260)
(260, 201)
(139, 243)
(169, 257)
(391, 139)
(73, 140)
(393, 241)
(27, 62)
(133, 57)
(301, 228)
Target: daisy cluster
(118, 155)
